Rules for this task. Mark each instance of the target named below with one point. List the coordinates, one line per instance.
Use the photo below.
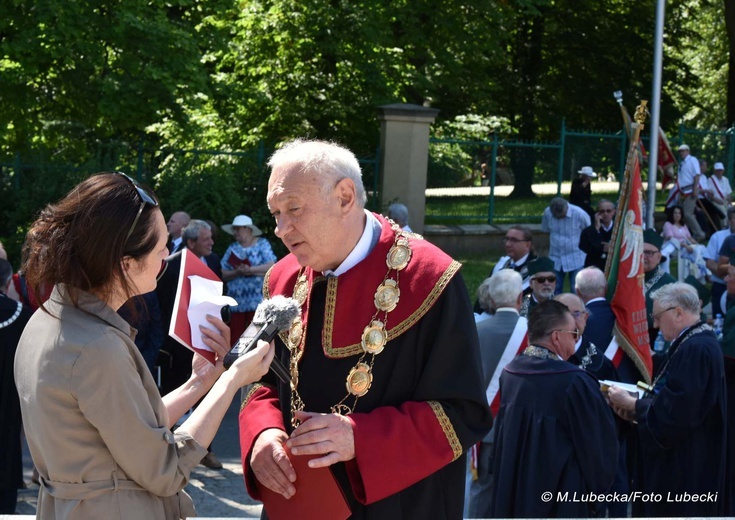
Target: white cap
(683, 147)
(588, 171)
(241, 221)
(719, 166)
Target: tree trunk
(528, 67)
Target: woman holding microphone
(97, 427)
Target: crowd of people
(419, 407)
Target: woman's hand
(253, 365)
(219, 341)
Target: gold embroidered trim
(351, 350)
(266, 280)
(448, 429)
(253, 389)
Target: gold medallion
(398, 256)
(386, 296)
(295, 332)
(374, 337)
(359, 380)
(301, 290)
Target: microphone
(271, 317)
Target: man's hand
(327, 434)
(598, 220)
(270, 463)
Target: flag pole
(655, 112)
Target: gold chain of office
(374, 336)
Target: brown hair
(81, 240)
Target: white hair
(329, 161)
(678, 295)
(590, 283)
(502, 289)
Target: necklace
(539, 352)
(374, 335)
(655, 278)
(9, 321)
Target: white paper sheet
(206, 298)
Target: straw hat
(588, 171)
(241, 221)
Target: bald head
(177, 223)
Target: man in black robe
(555, 441)
(13, 319)
(682, 423)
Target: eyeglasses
(145, 198)
(650, 253)
(544, 279)
(656, 316)
(574, 332)
(514, 240)
(577, 314)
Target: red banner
(625, 274)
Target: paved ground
(216, 493)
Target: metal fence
(465, 163)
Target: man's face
(607, 212)
(579, 313)
(683, 154)
(719, 173)
(175, 225)
(703, 166)
(203, 244)
(516, 246)
(543, 285)
(310, 225)
(651, 257)
(664, 318)
(566, 339)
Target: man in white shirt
(688, 183)
(565, 222)
(719, 186)
(712, 255)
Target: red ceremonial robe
(427, 403)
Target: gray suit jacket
(494, 334)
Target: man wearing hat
(688, 184)
(654, 275)
(719, 185)
(543, 283)
(581, 192)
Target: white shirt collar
(521, 261)
(596, 300)
(577, 345)
(360, 251)
(507, 309)
(608, 228)
(176, 242)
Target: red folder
(318, 496)
(179, 328)
(236, 261)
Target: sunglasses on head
(146, 197)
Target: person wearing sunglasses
(97, 427)
(654, 276)
(682, 423)
(542, 283)
(554, 432)
(595, 239)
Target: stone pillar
(404, 157)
